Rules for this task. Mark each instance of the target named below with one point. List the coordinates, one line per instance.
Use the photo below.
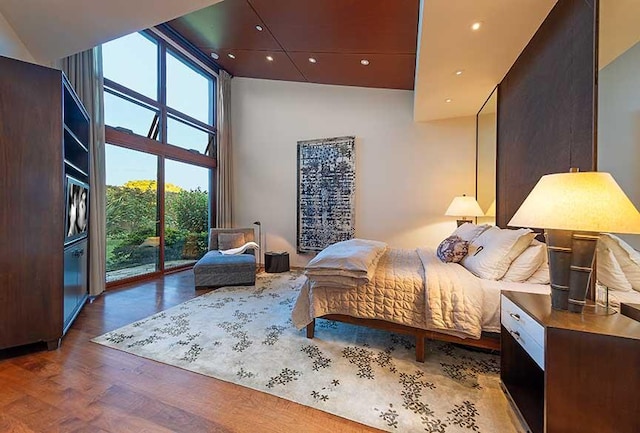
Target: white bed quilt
(454, 297)
(400, 292)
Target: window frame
(166, 42)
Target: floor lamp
(257, 223)
(573, 209)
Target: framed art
(326, 192)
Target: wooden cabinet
(75, 281)
(567, 372)
(37, 107)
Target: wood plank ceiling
(338, 34)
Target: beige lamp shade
(582, 201)
(464, 206)
(491, 212)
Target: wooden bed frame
(488, 340)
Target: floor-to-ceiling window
(160, 117)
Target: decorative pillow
(491, 253)
(626, 256)
(227, 241)
(469, 231)
(526, 264)
(541, 275)
(608, 270)
(452, 249)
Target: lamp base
(594, 309)
(584, 249)
(570, 263)
(463, 221)
(559, 251)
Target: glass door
(133, 237)
(186, 213)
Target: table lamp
(574, 208)
(464, 206)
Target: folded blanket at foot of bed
(346, 263)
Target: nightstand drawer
(512, 314)
(526, 331)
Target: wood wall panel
(337, 33)
(546, 106)
(31, 203)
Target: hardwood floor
(86, 387)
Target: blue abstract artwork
(326, 192)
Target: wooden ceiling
(338, 34)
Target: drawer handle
(515, 316)
(516, 334)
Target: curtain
(84, 71)
(224, 215)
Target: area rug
(244, 335)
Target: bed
(413, 292)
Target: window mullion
(162, 89)
(160, 231)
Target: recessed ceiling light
(269, 58)
(259, 28)
(215, 56)
(312, 60)
(476, 25)
(459, 72)
(448, 100)
(364, 62)
(231, 56)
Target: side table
(569, 372)
(276, 261)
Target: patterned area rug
(244, 335)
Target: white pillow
(469, 231)
(491, 253)
(526, 264)
(541, 275)
(610, 271)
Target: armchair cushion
(214, 232)
(227, 241)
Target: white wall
(10, 43)
(619, 124)
(406, 173)
(487, 139)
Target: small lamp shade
(587, 201)
(464, 206)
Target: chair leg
(311, 328)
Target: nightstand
(630, 310)
(567, 372)
(276, 261)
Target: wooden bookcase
(44, 136)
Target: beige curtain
(84, 71)
(224, 181)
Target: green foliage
(129, 209)
(131, 224)
(188, 210)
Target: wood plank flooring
(85, 387)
